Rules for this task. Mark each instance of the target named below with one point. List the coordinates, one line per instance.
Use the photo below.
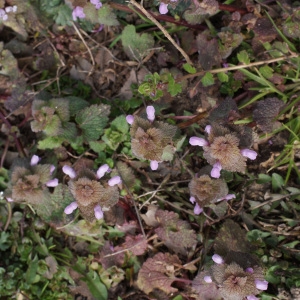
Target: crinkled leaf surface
(175, 233)
(158, 273)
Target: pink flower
(163, 8)
(69, 171)
(9, 199)
(130, 119)
(208, 129)
(249, 270)
(192, 200)
(52, 183)
(70, 208)
(217, 259)
(252, 297)
(98, 212)
(150, 113)
(34, 160)
(114, 180)
(251, 154)
(261, 284)
(197, 209)
(216, 170)
(196, 141)
(52, 168)
(207, 279)
(153, 165)
(102, 170)
(97, 3)
(78, 13)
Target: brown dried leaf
(158, 273)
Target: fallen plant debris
(149, 150)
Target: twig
(167, 35)
(9, 214)
(220, 70)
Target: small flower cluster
(79, 13)
(236, 282)
(29, 182)
(225, 148)
(92, 197)
(8, 9)
(163, 7)
(206, 191)
(151, 140)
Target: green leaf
(173, 87)
(50, 142)
(266, 71)
(4, 243)
(208, 79)
(263, 178)
(64, 15)
(106, 16)
(97, 146)
(120, 124)
(243, 57)
(190, 69)
(92, 121)
(223, 77)
(136, 46)
(277, 181)
(31, 271)
(96, 287)
(76, 104)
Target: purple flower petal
(196, 141)
(98, 212)
(208, 129)
(115, 180)
(8, 9)
(52, 183)
(252, 297)
(217, 259)
(70, 208)
(249, 270)
(216, 170)
(150, 113)
(9, 199)
(153, 165)
(130, 119)
(163, 8)
(229, 197)
(102, 170)
(78, 13)
(52, 168)
(197, 209)
(15, 8)
(251, 154)
(261, 284)
(97, 3)
(192, 200)
(69, 171)
(207, 279)
(34, 160)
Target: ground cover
(150, 150)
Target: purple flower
(3, 15)
(192, 200)
(215, 172)
(197, 209)
(150, 113)
(261, 284)
(249, 270)
(207, 279)
(251, 154)
(78, 13)
(97, 3)
(34, 160)
(217, 259)
(102, 170)
(69, 171)
(52, 168)
(70, 208)
(52, 183)
(114, 180)
(196, 141)
(163, 8)
(208, 129)
(130, 119)
(98, 212)
(9, 199)
(153, 165)
(252, 297)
